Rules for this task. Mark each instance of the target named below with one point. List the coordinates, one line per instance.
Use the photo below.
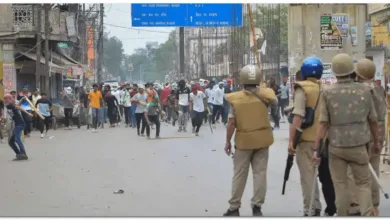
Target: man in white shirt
(115, 92)
(209, 92)
(284, 97)
(126, 102)
(182, 103)
(198, 107)
(219, 95)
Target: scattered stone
(213, 150)
(120, 191)
(206, 210)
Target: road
(75, 173)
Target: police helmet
(312, 67)
(250, 75)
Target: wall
(5, 18)
(380, 32)
(304, 28)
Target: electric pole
(47, 30)
(100, 63)
(252, 30)
(38, 47)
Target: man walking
(182, 103)
(44, 107)
(219, 95)
(198, 107)
(95, 103)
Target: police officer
(248, 117)
(347, 114)
(307, 93)
(365, 70)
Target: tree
(113, 54)
(165, 55)
(386, 18)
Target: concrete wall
(304, 38)
(5, 18)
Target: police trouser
(375, 193)
(304, 155)
(327, 186)
(183, 115)
(357, 158)
(258, 159)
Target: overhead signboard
(186, 15)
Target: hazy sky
(120, 15)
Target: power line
(136, 29)
(33, 47)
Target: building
(19, 46)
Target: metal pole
(181, 51)
(38, 46)
(100, 64)
(252, 28)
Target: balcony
(62, 24)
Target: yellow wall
(380, 33)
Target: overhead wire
(137, 29)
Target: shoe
(18, 157)
(23, 157)
(148, 137)
(42, 136)
(180, 129)
(126, 126)
(184, 129)
(317, 212)
(196, 134)
(68, 128)
(158, 137)
(232, 213)
(193, 130)
(256, 211)
(142, 135)
(138, 133)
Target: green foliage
(113, 54)
(386, 18)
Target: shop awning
(54, 67)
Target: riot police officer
(365, 71)
(347, 115)
(248, 117)
(305, 116)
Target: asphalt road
(74, 173)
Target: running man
(182, 102)
(198, 107)
(44, 107)
(140, 99)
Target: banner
(354, 36)
(328, 78)
(91, 50)
(8, 77)
(330, 35)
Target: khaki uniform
(252, 140)
(379, 98)
(346, 106)
(306, 95)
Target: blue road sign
(186, 15)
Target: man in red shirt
(164, 96)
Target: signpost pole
(181, 51)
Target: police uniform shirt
(299, 102)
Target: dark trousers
(121, 109)
(68, 116)
(327, 186)
(197, 119)
(15, 141)
(220, 109)
(27, 120)
(44, 123)
(275, 116)
(154, 119)
(127, 111)
(282, 104)
(140, 117)
(113, 115)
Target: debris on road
(119, 191)
(213, 150)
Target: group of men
(337, 129)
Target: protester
(44, 107)
(95, 103)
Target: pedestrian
(274, 111)
(2, 120)
(25, 105)
(209, 92)
(182, 104)
(34, 98)
(141, 99)
(15, 141)
(248, 119)
(219, 95)
(44, 106)
(127, 105)
(117, 93)
(152, 117)
(112, 107)
(67, 99)
(164, 98)
(133, 91)
(284, 97)
(198, 107)
(305, 117)
(95, 103)
(171, 107)
(365, 71)
(347, 115)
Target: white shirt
(116, 93)
(284, 91)
(197, 101)
(125, 101)
(210, 95)
(182, 96)
(219, 94)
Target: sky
(120, 15)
